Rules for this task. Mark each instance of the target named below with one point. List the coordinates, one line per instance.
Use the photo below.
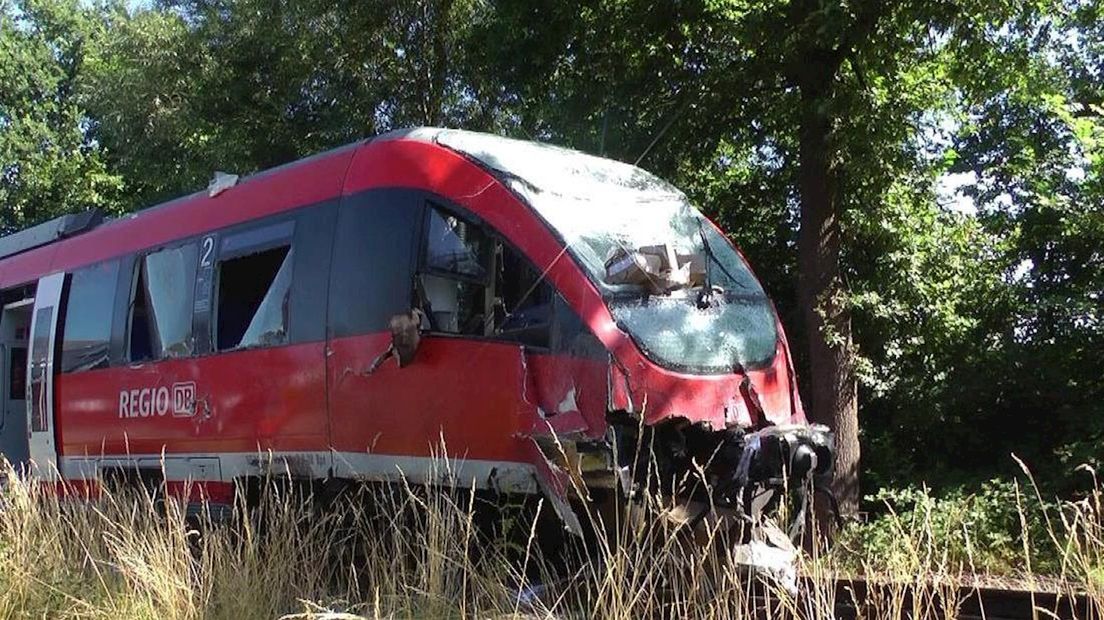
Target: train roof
(525, 166)
(544, 167)
(48, 232)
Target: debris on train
(658, 268)
(406, 335)
(220, 182)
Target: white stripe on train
(506, 476)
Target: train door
(15, 326)
(466, 387)
(40, 375)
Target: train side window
(455, 273)
(86, 334)
(161, 305)
(456, 247)
(254, 293)
(523, 307)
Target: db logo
(158, 401)
(184, 398)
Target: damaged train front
(703, 411)
(701, 403)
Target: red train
(549, 317)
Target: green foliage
(48, 164)
(987, 530)
(185, 88)
(1007, 354)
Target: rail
(859, 599)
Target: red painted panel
(246, 400)
(464, 390)
(200, 491)
(567, 387)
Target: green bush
(993, 529)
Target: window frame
(255, 237)
(128, 295)
(422, 268)
(313, 227)
(259, 236)
(499, 244)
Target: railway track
(859, 599)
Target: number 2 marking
(208, 248)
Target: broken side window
(161, 305)
(254, 293)
(523, 307)
(454, 274)
(456, 247)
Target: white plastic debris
(770, 561)
(221, 182)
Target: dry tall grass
(416, 552)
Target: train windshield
(670, 278)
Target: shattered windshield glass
(671, 279)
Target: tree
(47, 165)
(188, 87)
(813, 66)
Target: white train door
(40, 373)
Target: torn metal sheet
(555, 483)
(621, 393)
(767, 551)
(568, 403)
(769, 561)
(570, 393)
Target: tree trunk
(822, 291)
(437, 23)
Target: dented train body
(537, 314)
